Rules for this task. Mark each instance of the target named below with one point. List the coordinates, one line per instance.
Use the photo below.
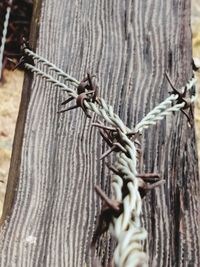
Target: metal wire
(126, 228)
(49, 78)
(103, 110)
(158, 113)
(4, 33)
(164, 109)
(51, 66)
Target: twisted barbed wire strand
(126, 228)
(164, 109)
(103, 110)
(4, 33)
(158, 113)
(51, 66)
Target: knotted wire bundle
(126, 226)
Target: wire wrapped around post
(125, 227)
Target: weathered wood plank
(130, 45)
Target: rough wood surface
(129, 45)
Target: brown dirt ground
(10, 94)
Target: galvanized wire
(126, 228)
(51, 66)
(164, 108)
(49, 78)
(158, 113)
(4, 33)
(102, 109)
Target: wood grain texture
(129, 45)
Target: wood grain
(129, 45)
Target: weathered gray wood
(130, 45)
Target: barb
(164, 108)
(3, 39)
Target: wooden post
(50, 209)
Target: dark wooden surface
(129, 45)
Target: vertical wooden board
(19, 130)
(129, 45)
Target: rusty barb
(110, 209)
(147, 182)
(87, 90)
(114, 140)
(182, 98)
(113, 209)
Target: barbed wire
(4, 33)
(164, 108)
(51, 66)
(126, 227)
(158, 113)
(131, 203)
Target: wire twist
(164, 109)
(126, 228)
(50, 78)
(51, 66)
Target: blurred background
(195, 23)
(18, 13)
